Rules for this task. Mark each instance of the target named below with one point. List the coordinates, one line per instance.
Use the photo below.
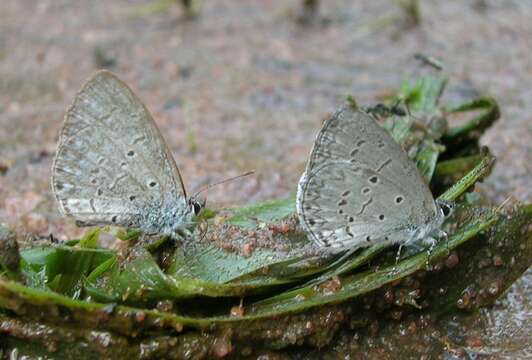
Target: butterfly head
(196, 204)
(446, 208)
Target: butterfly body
(166, 220)
(360, 188)
(112, 165)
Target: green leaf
(210, 263)
(427, 158)
(487, 112)
(61, 268)
(90, 239)
(141, 280)
(479, 172)
(423, 94)
(128, 234)
(267, 212)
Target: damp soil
(244, 86)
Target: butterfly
(113, 167)
(360, 188)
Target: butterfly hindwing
(112, 165)
(359, 186)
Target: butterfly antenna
(506, 201)
(223, 181)
(500, 208)
(204, 230)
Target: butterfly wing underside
(112, 165)
(359, 186)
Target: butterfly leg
(444, 235)
(438, 234)
(185, 234)
(204, 228)
(397, 257)
(432, 243)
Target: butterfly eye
(445, 209)
(197, 207)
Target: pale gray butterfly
(113, 167)
(360, 188)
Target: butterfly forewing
(112, 165)
(359, 186)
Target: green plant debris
(267, 212)
(159, 298)
(487, 113)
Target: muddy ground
(245, 87)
